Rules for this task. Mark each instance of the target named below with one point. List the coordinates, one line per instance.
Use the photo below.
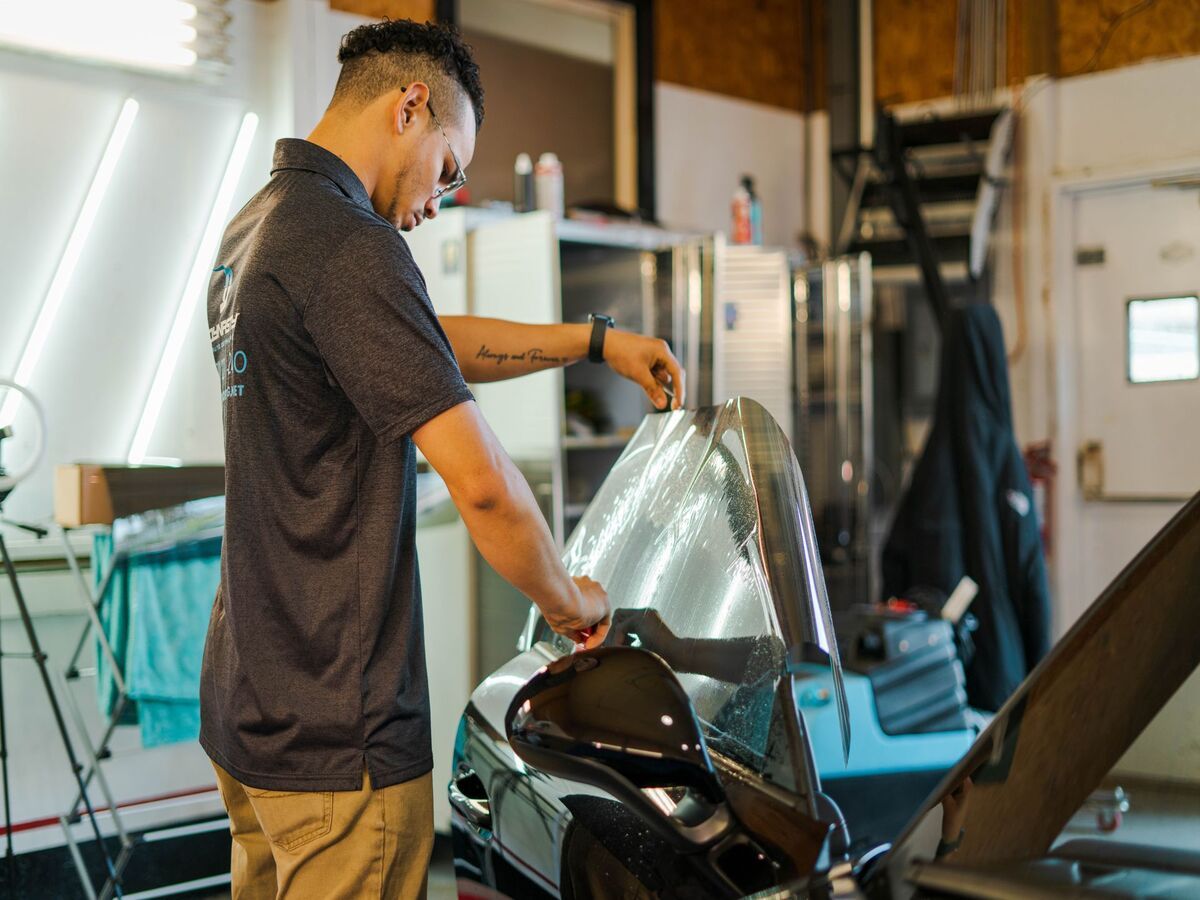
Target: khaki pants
(329, 844)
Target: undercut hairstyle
(383, 56)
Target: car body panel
(705, 519)
(692, 512)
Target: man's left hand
(647, 361)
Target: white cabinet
(512, 273)
(444, 557)
(752, 328)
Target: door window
(1164, 339)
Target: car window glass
(674, 529)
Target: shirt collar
(294, 153)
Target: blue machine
(908, 712)
(873, 751)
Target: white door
(1137, 279)
(1131, 245)
(1137, 288)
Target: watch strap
(600, 326)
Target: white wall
(1127, 124)
(99, 360)
(1121, 124)
(314, 33)
(705, 142)
(1118, 127)
(95, 371)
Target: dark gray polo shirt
(330, 355)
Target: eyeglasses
(460, 177)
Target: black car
(678, 760)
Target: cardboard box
(81, 496)
(92, 494)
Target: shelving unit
(532, 268)
(835, 440)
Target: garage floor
(1159, 816)
(1163, 817)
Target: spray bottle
(747, 214)
(756, 235)
(741, 233)
(548, 184)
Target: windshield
(702, 536)
(1116, 705)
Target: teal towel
(157, 619)
(173, 594)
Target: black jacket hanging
(969, 511)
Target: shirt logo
(225, 324)
(227, 294)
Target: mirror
(618, 719)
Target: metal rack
(93, 600)
(53, 692)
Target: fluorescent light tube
(154, 33)
(196, 283)
(70, 257)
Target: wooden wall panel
(541, 101)
(752, 49)
(914, 49)
(417, 10)
(914, 40)
(1165, 28)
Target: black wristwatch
(600, 325)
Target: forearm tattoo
(532, 355)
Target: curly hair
(381, 56)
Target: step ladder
(924, 197)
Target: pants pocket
(290, 819)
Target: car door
(703, 538)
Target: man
(334, 365)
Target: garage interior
(950, 249)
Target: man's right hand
(588, 620)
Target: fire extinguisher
(1042, 470)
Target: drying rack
(94, 600)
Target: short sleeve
(373, 324)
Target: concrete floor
(1159, 816)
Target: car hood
(1077, 713)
